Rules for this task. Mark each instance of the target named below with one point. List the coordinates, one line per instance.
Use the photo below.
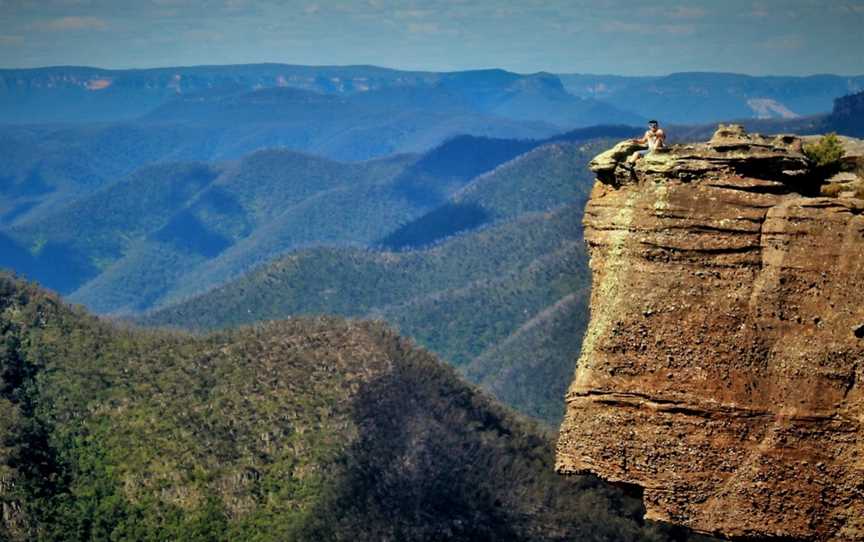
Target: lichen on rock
(721, 370)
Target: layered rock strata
(723, 368)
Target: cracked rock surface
(723, 365)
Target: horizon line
(424, 71)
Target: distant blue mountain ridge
(82, 94)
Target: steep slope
(272, 202)
(524, 369)
(354, 281)
(357, 213)
(191, 211)
(459, 297)
(535, 97)
(303, 430)
(547, 176)
(847, 116)
(74, 245)
(721, 370)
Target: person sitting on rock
(654, 137)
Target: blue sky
(794, 37)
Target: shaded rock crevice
(721, 371)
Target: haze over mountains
(698, 98)
(67, 131)
(164, 184)
(193, 227)
(80, 94)
(446, 205)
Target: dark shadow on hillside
(436, 460)
(54, 266)
(187, 233)
(440, 223)
(33, 185)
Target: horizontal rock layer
(722, 369)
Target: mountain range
(306, 429)
(174, 229)
(165, 209)
(316, 285)
(486, 234)
(81, 94)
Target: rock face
(848, 114)
(723, 368)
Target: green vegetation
(194, 211)
(458, 298)
(529, 369)
(826, 154)
(854, 188)
(541, 179)
(306, 429)
(207, 224)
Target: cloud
(760, 10)
(423, 28)
(677, 12)
(784, 43)
(625, 27)
(413, 13)
(203, 34)
(678, 29)
(688, 12)
(237, 4)
(72, 23)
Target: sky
(654, 37)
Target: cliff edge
(723, 368)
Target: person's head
(653, 125)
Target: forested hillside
(463, 295)
(131, 241)
(306, 429)
(172, 230)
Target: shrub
(826, 154)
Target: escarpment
(722, 368)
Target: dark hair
(653, 122)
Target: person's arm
(641, 140)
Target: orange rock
(723, 367)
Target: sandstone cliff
(723, 368)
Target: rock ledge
(723, 368)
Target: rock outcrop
(723, 368)
(848, 115)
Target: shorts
(643, 152)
